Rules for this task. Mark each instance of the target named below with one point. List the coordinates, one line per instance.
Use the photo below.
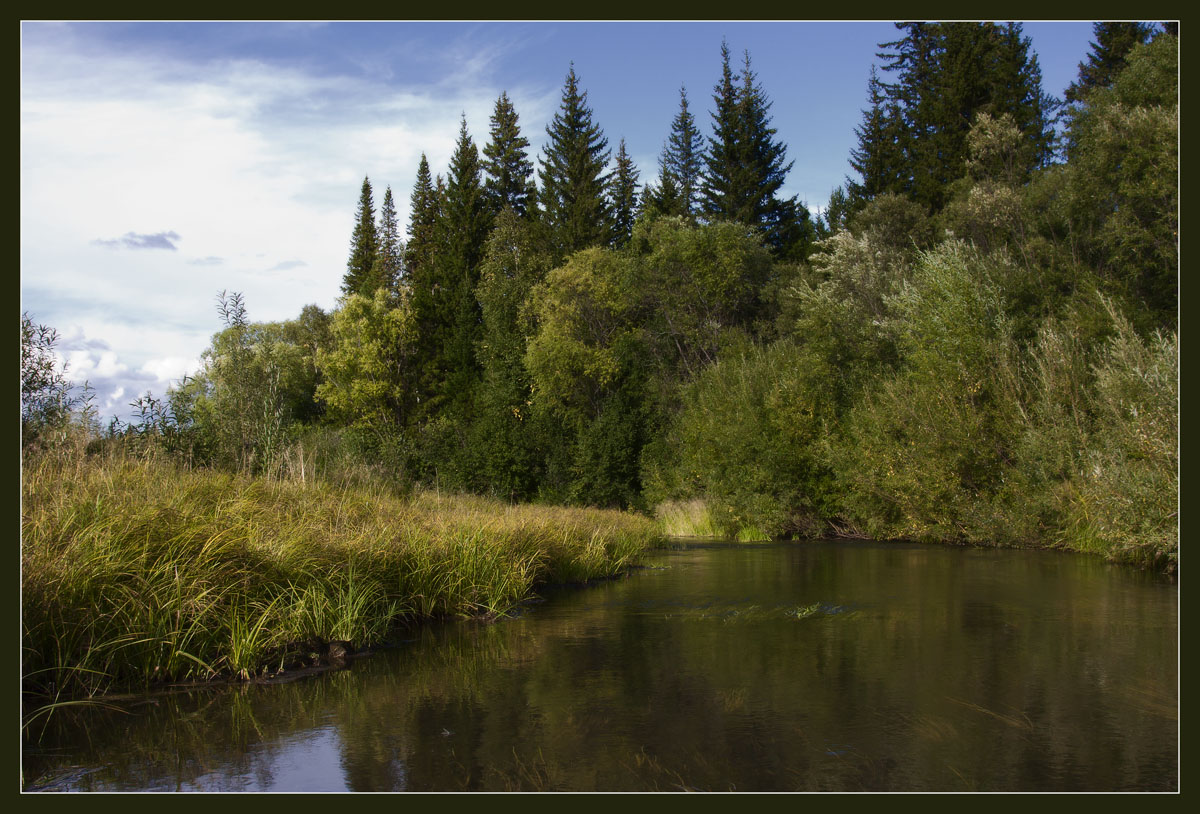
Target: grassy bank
(139, 571)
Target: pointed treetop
(506, 162)
(573, 175)
(364, 247)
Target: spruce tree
(418, 253)
(573, 175)
(506, 163)
(460, 236)
(946, 74)
(683, 156)
(879, 157)
(624, 196)
(1114, 41)
(419, 256)
(745, 164)
(723, 160)
(388, 267)
(364, 247)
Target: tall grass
(136, 570)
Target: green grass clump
(138, 571)
(686, 518)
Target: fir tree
(1114, 41)
(745, 165)
(364, 247)
(460, 235)
(946, 74)
(573, 175)
(879, 157)
(624, 196)
(683, 155)
(723, 159)
(388, 268)
(418, 253)
(419, 256)
(508, 168)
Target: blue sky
(164, 162)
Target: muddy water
(790, 667)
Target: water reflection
(775, 667)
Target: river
(807, 666)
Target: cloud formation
(206, 261)
(133, 240)
(287, 264)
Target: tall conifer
(461, 232)
(624, 196)
(1114, 41)
(723, 160)
(419, 256)
(509, 171)
(746, 166)
(388, 267)
(946, 74)
(573, 175)
(879, 157)
(364, 247)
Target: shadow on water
(803, 666)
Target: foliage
(361, 274)
(745, 166)
(1122, 179)
(367, 364)
(623, 196)
(1114, 40)
(504, 432)
(747, 441)
(926, 450)
(508, 170)
(47, 397)
(947, 72)
(679, 167)
(573, 175)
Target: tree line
(975, 342)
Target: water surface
(827, 666)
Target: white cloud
(247, 166)
(115, 403)
(170, 369)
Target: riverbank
(140, 571)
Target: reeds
(139, 571)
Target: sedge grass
(140, 571)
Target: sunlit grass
(139, 571)
(686, 518)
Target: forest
(557, 367)
(975, 343)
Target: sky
(163, 163)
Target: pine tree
(508, 168)
(388, 268)
(624, 195)
(573, 175)
(364, 247)
(1114, 41)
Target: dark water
(805, 666)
